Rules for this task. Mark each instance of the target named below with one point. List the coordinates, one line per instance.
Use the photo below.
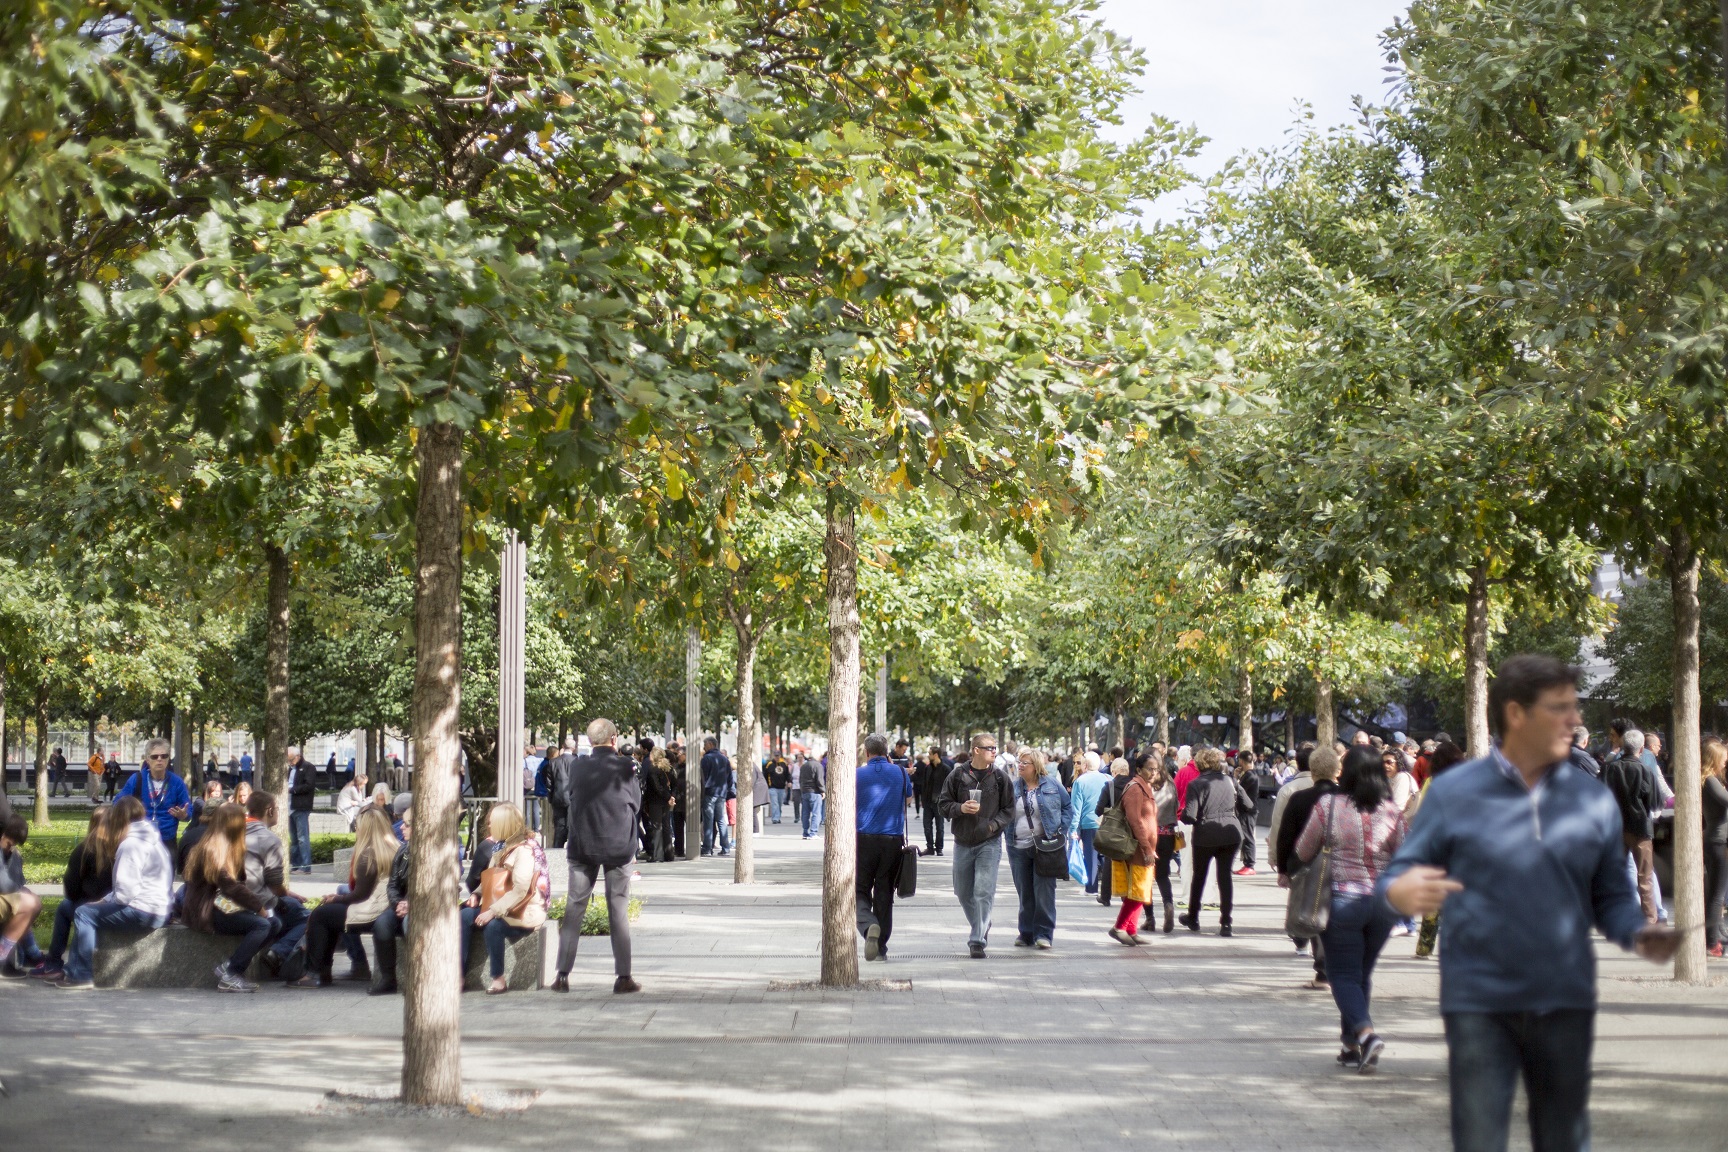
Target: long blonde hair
(507, 826)
(374, 838)
(1715, 757)
(222, 849)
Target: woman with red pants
(1134, 878)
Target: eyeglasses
(985, 748)
(158, 756)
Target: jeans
(57, 780)
(812, 815)
(975, 868)
(255, 931)
(878, 872)
(1486, 1052)
(776, 802)
(495, 932)
(1247, 841)
(1715, 890)
(1354, 936)
(934, 827)
(1219, 856)
(1037, 895)
(89, 920)
(1161, 869)
(386, 930)
(582, 877)
(300, 839)
(714, 825)
(291, 915)
(1087, 835)
(62, 931)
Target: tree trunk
(744, 845)
(1121, 725)
(1476, 665)
(41, 813)
(1325, 713)
(432, 1003)
(692, 744)
(1164, 710)
(90, 732)
(273, 771)
(1289, 728)
(839, 857)
(1683, 757)
(1245, 710)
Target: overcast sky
(1235, 69)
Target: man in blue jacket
(163, 793)
(717, 788)
(1524, 850)
(883, 787)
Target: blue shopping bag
(1076, 861)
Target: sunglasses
(158, 756)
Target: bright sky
(1235, 69)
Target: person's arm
(1313, 833)
(73, 883)
(1415, 882)
(1005, 803)
(126, 873)
(1190, 806)
(522, 877)
(236, 890)
(1070, 814)
(948, 799)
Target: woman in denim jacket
(1042, 809)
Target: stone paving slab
(1195, 1042)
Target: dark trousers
(677, 819)
(386, 930)
(1247, 841)
(1715, 891)
(62, 931)
(290, 916)
(254, 930)
(1161, 868)
(1487, 1053)
(934, 828)
(659, 846)
(1218, 857)
(323, 927)
(1037, 895)
(1355, 933)
(878, 873)
(560, 826)
(110, 784)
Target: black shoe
(1225, 931)
(358, 972)
(977, 951)
(1350, 1057)
(1192, 923)
(873, 942)
(1103, 899)
(1372, 1046)
(293, 965)
(624, 984)
(560, 983)
(386, 989)
(272, 964)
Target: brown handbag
(495, 883)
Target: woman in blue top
(1083, 825)
(1041, 810)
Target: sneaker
(1022, 942)
(11, 971)
(1244, 872)
(1225, 931)
(625, 985)
(1372, 1046)
(1121, 936)
(1714, 952)
(1399, 930)
(227, 981)
(66, 985)
(560, 983)
(977, 951)
(1192, 923)
(873, 942)
(46, 970)
(1350, 1057)
(1042, 943)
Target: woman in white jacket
(142, 893)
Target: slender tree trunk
(5, 741)
(1476, 739)
(41, 813)
(882, 696)
(1289, 727)
(432, 1004)
(692, 744)
(1164, 710)
(273, 771)
(840, 848)
(1325, 713)
(1245, 710)
(1121, 724)
(1683, 756)
(749, 755)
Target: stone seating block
(524, 961)
(171, 957)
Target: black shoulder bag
(1049, 853)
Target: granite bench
(178, 957)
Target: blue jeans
(812, 814)
(714, 825)
(1486, 1052)
(975, 868)
(1087, 835)
(62, 931)
(290, 915)
(255, 932)
(1353, 938)
(776, 801)
(1037, 895)
(91, 919)
(300, 839)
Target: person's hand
(483, 919)
(401, 908)
(178, 812)
(1421, 891)
(1657, 943)
(971, 807)
(1283, 880)
(1073, 835)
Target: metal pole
(882, 696)
(512, 665)
(692, 744)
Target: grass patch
(324, 845)
(596, 922)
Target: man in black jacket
(558, 788)
(302, 790)
(978, 801)
(1635, 793)
(927, 779)
(1323, 768)
(810, 788)
(603, 801)
(717, 788)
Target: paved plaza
(1195, 1042)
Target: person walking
(1089, 783)
(93, 769)
(111, 774)
(1361, 825)
(977, 800)
(302, 792)
(883, 787)
(929, 778)
(717, 788)
(162, 792)
(1215, 806)
(810, 789)
(1116, 782)
(1134, 878)
(1629, 783)
(779, 776)
(1250, 784)
(1715, 764)
(603, 801)
(1042, 811)
(1164, 793)
(1525, 852)
(558, 790)
(1295, 804)
(57, 773)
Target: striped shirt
(1362, 843)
